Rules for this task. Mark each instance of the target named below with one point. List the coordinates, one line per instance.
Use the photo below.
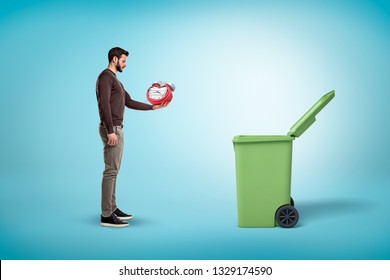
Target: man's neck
(112, 68)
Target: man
(112, 99)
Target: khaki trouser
(112, 161)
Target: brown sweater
(112, 99)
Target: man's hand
(162, 105)
(112, 139)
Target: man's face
(121, 63)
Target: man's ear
(115, 59)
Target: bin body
(263, 178)
(263, 171)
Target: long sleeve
(133, 104)
(103, 94)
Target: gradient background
(240, 67)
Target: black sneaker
(121, 215)
(112, 221)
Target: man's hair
(116, 52)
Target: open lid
(310, 117)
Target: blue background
(240, 67)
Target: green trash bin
(263, 174)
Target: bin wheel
(287, 216)
(292, 201)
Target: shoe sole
(114, 225)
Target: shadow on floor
(330, 208)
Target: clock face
(157, 93)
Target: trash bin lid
(310, 117)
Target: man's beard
(120, 69)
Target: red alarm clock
(160, 92)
